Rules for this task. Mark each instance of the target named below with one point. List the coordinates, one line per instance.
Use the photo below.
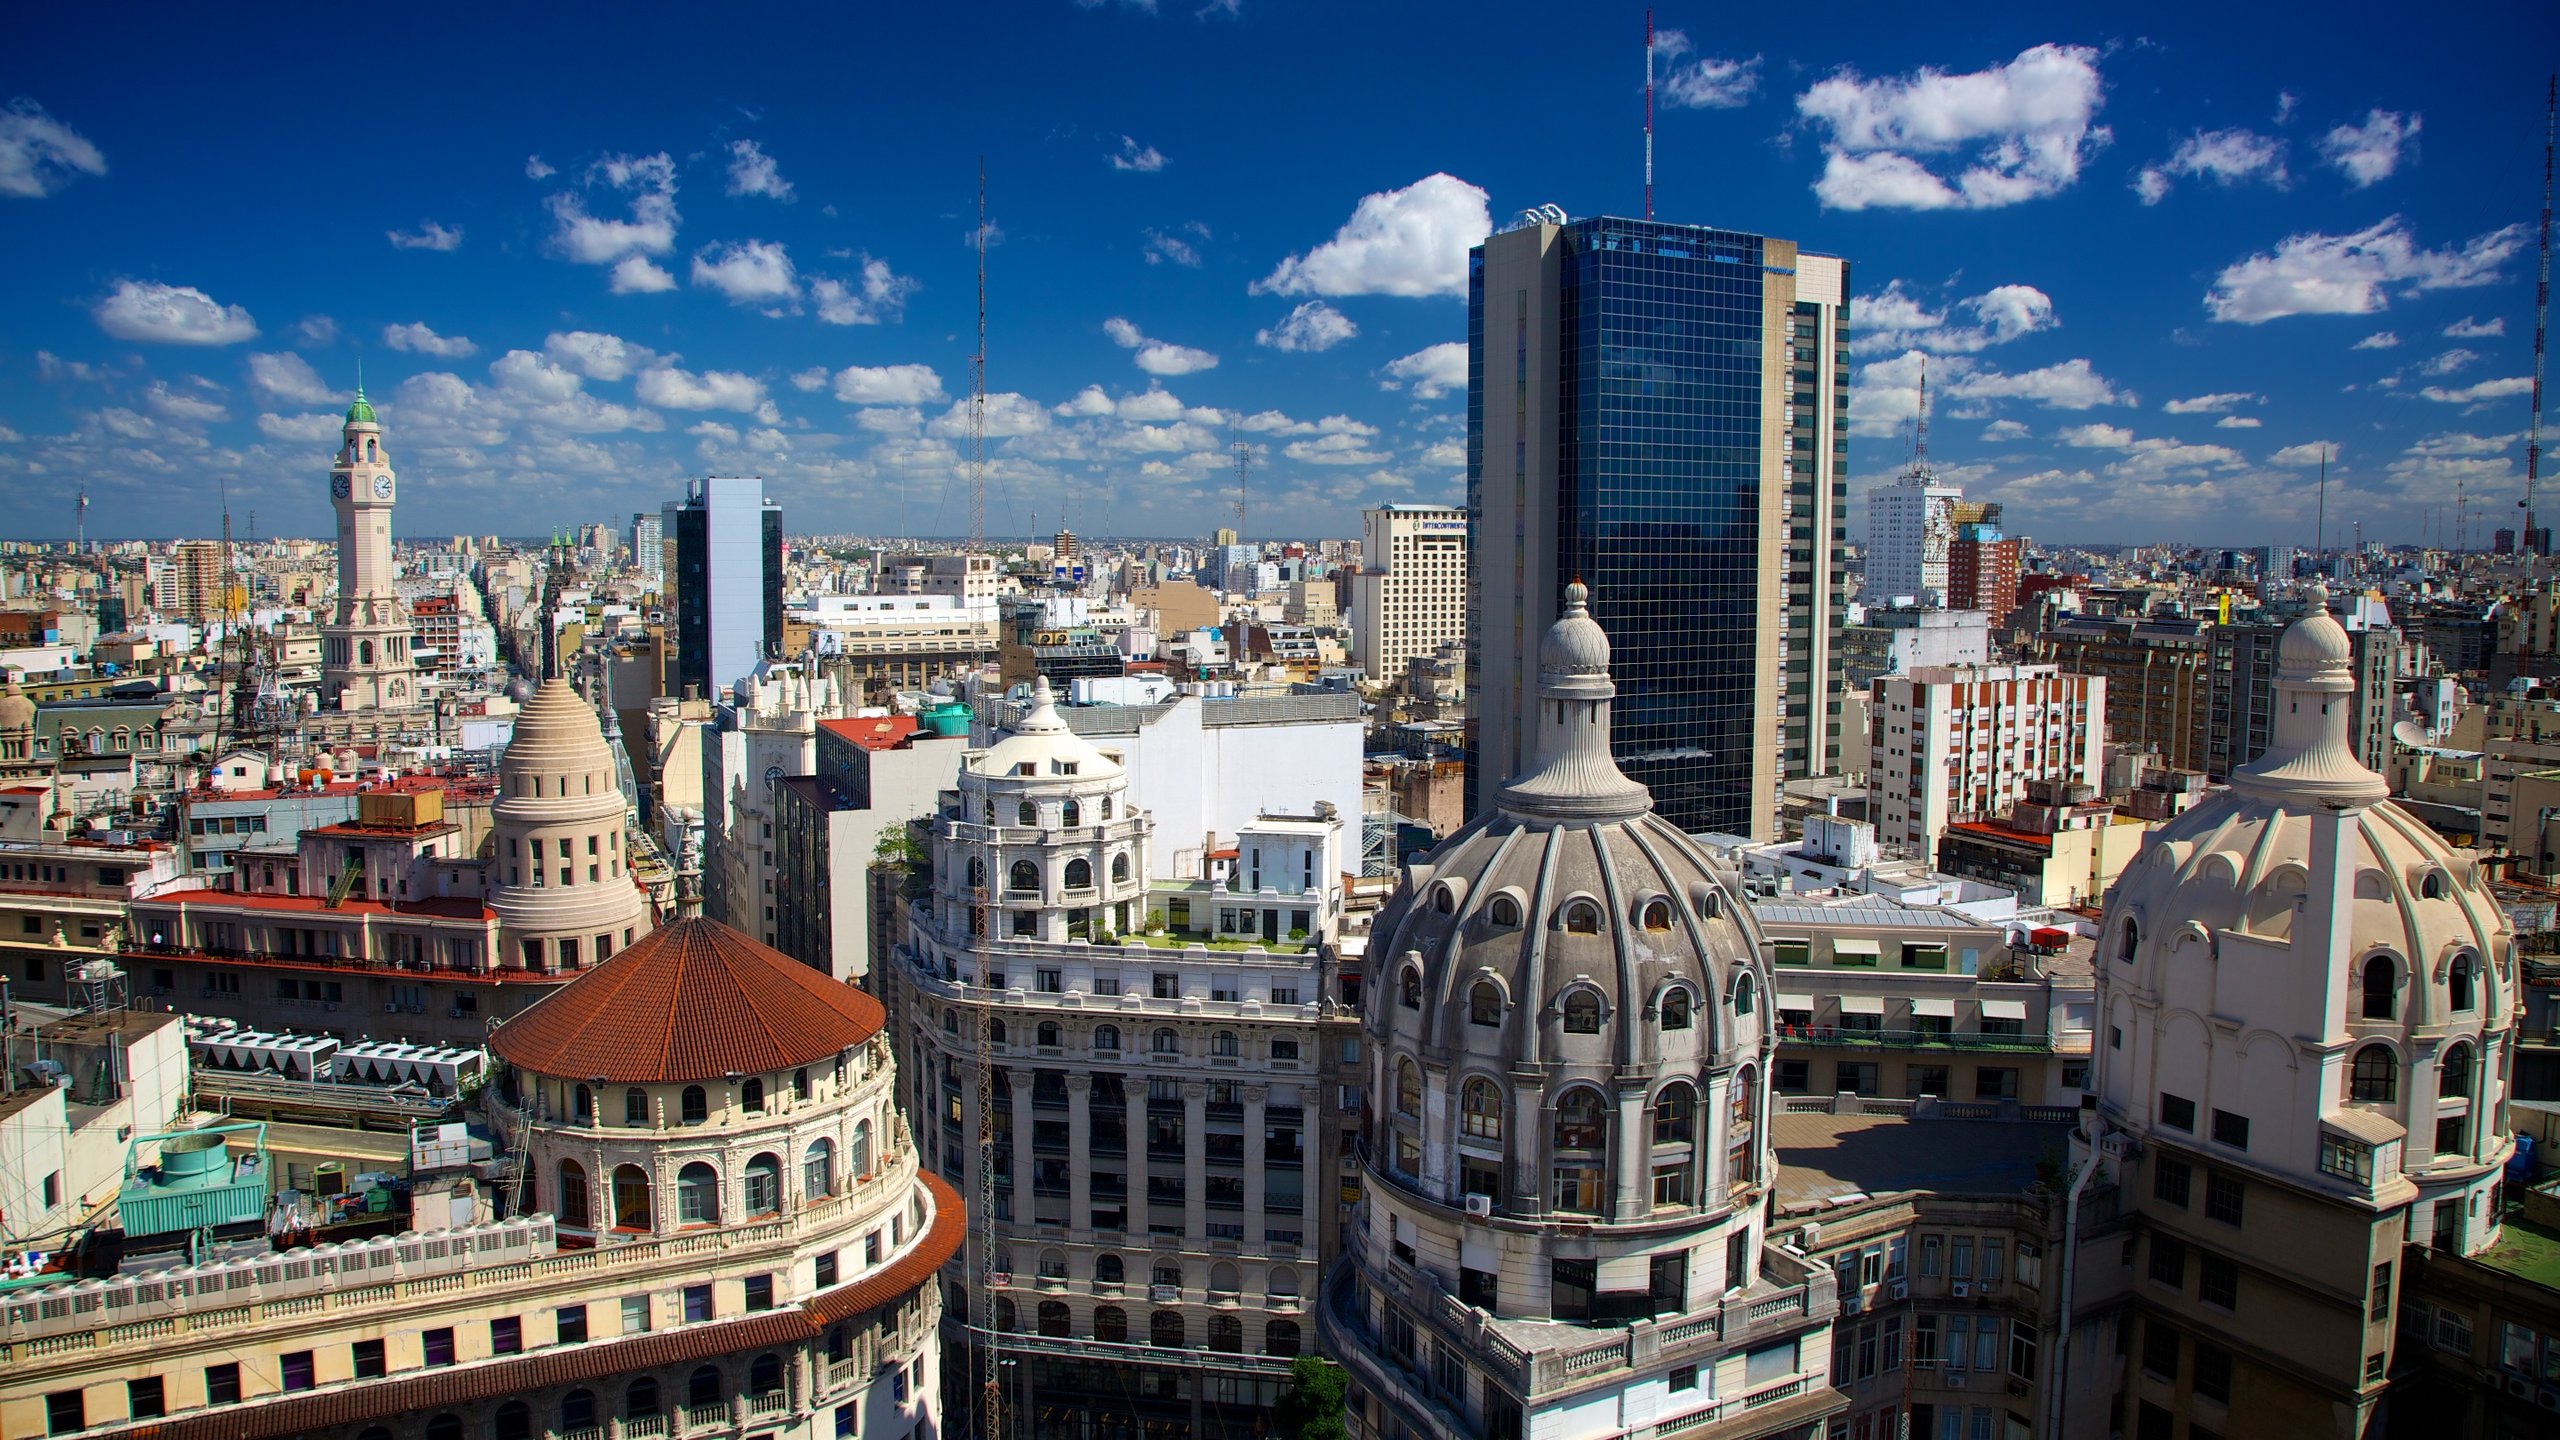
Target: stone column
(1255, 1096)
(1631, 1146)
(1532, 1121)
(1020, 1076)
(1195, 1160)
(1079, 1151)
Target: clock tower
(364, 650)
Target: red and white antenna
(2541, 321)
(1648, 120)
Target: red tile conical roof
(694, 1000)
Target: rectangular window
(2022, 1352)
(1924, 1340)
(222, 1384)
(1960, 1341)
(635, 1314)
(2170, 1181)
(824, 1268)
(2160, 1351)
(2178, 1112)
(66, 1412)
(697, 1304)
(2218, 1280)
(1793, 954)
(1929, 1246)
(369, 1360)
(294, 1370)
(2224, 1196)
(2168, 1261)
(759, 1292)
(1960, 1259)
(506, 1336)
(1684, 1377)
(2373, 1368)
(570, 1325)
(2231, 1130)
(2381, 1309)
(2213, 1372)
(436, 1345)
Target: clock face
(339, 487)
(381, 487)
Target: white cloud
(676, 389)
(2353, 274)
(428, 236)
(2445, 364)
(1314, 325)
(39, 154)
(1162, 247)
(635, 275)
(1412, 242)
(597, 356)
(2070, 385)
(2019, 131)
(1706, 83)
(171, 315)
(2001, 430)
(2473, 394)
(713, 433)
(2286, 103)
(1158, 357)
(881, 295)
(1445, 452)
(2309, 452)
(1335, 450)
(813, 378)
(2367, 154)
(1088, 403)
(1895, 320)
(1144, 159)
(2456, 443)
(888, 385)
(1887, 391)
(752, 172)
(536, 169)
(307, 429)
(316, 331)
(288, 379)
(890, 419)
(590, 239)
(2227, 157)
(419, 339)
(2095, 437)
(2238, 422)
(749, 272)
(2467, 328)
(2378, 340)
(179, 405)
(2213, 404)
(1009, 414)
(1429, 373)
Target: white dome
(1041, 741)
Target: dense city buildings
(1411, 595)
(1712, 535)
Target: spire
(1574, 777)
(2311, 756)
(360, 413)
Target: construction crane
(978, 387)
(983, 1310)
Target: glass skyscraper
(1657, 410)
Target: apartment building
(1411, 596)
(1960, 743)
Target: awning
(2004, 1009)
(1926, 1006)
(2366, 1126)
(1796, 1002)
(1861, 1005)
(1845, 945)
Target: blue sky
(583, 257)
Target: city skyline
(2151, 274)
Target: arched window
(697, 1105)
(1712, 905)
(1223, 1043)
(514, 1421)
(818, 1169)
(1106, 807)
(2453, 1073)
(697, 1195)
(1582, 918)
(1008, 1319)
(2128, 940)
(765, 1375)
(1742, 992)
(1111, 1323)
(1164, 1330)
(764, 1185)
(1656, 914)
(1484, 1004)
(2379, 977)
(1167, 1274)
(1283, 1282)
(1444, 899)
(704, 1388)
(1079, 874)
(1408, 1090)
(640, 1399)
(751, 1096)
(578, 1410)
(1167, 1043)
(1024, 876)
(1280, 1337)
(1107, 1270)
(1742, 1140)
(1226, 1333)
(582, 1104)
(1409, 987)
(572, 1204)
(2431, 885)
(1119, 869)
(1504, 911)
(1578, 1170)
(1480, 1110)
(631, 1198)
(1106, 1037)
(635, 1106)
(1582, 1012)
(995, 1031)
(1027, 814)
(1581, 1120)
(861, 1158)
(364, 652)
(1054, 1321)
(1675, 1008)
(1048, 1033)
(1070, 815)
(1675, 1114)
(977, 872)
(800, 1083)
(2376, 1077)
(2458, 983)
(1224, 1279)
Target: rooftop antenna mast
(2541, 325)
(978, 386)
(2320, 534)
(1648, 114)
(80, 522)
(1244, 466)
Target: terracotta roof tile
(694, 1001)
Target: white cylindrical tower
(560, 877)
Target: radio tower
(978, 387)
(1244, 465)
(80, 522)
(2541, 326)
(1648, 114)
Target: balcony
(1843, 1037)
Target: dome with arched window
(2299, 976)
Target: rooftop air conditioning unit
(1956, 1379)
(1963, 1290)
(1901, 1290)
(1479, 1207)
